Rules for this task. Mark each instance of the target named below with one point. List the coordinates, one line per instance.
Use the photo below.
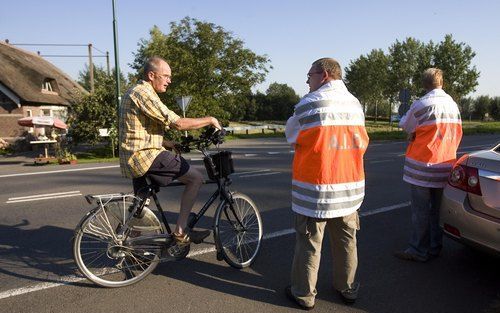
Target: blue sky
(291, 33)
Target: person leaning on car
(435, 129)
(143, 121)
(328, 133)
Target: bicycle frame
(221, 191)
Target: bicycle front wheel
(238, 231)
(103, 252)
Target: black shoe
(291, 297)
(404, 255)
(197, 236)
(350, 295)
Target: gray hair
(432, 78)
(152, 65)
(331, 66)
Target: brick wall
(9, 114)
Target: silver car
(470, 209)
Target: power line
(58, 45)
(49, 44)
(70, 56)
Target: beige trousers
(309, 237)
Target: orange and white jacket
(435, 120)
(328, 132)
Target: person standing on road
(328, 133)
(435, 130)
(143, 121)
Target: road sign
(183, 103)
(404, 97)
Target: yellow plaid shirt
(143, 121)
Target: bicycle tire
(109, 262)
(238, 247)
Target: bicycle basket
(223, 162)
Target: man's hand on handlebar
(215, 123)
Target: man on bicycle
(143, 121)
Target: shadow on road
(46, 250)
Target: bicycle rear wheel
(238, 231)
(103, 252)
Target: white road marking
(250, 154)
(263, 174)
(71, 279)
(196, 159)
(251, 172)
(61, 171)
(273, 153)
(485, 146)
(232, 282)
(381, 161)
(385, 209)
(44, 196)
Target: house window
(45, 112)
(49, 86)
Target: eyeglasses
(311, 74)
(164, 76)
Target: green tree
(481, 106)
(466, 107)
(494, 109)
(93, 111)
(281, 100)
(208, 63)
(407, 61)
(367, 78)
(460, 78)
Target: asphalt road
(40, 206)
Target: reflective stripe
(313, 105)
(325, 195)
(429, 168)
(325, 207)
(424, 178)
(421, 112)
(337, 118)
(329, 187)
(442, 116)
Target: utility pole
(91, 69)
(107, 62)
(117, 66)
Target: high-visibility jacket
(435, 121)
(328, 132)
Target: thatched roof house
(31, 86)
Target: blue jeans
(427, 237)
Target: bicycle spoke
(239, 231)
(108, 259)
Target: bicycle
(121, 241)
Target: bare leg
(193, 180)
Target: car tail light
(465, 178)
(452, 230)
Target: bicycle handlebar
(210, 136)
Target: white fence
(273, 127)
